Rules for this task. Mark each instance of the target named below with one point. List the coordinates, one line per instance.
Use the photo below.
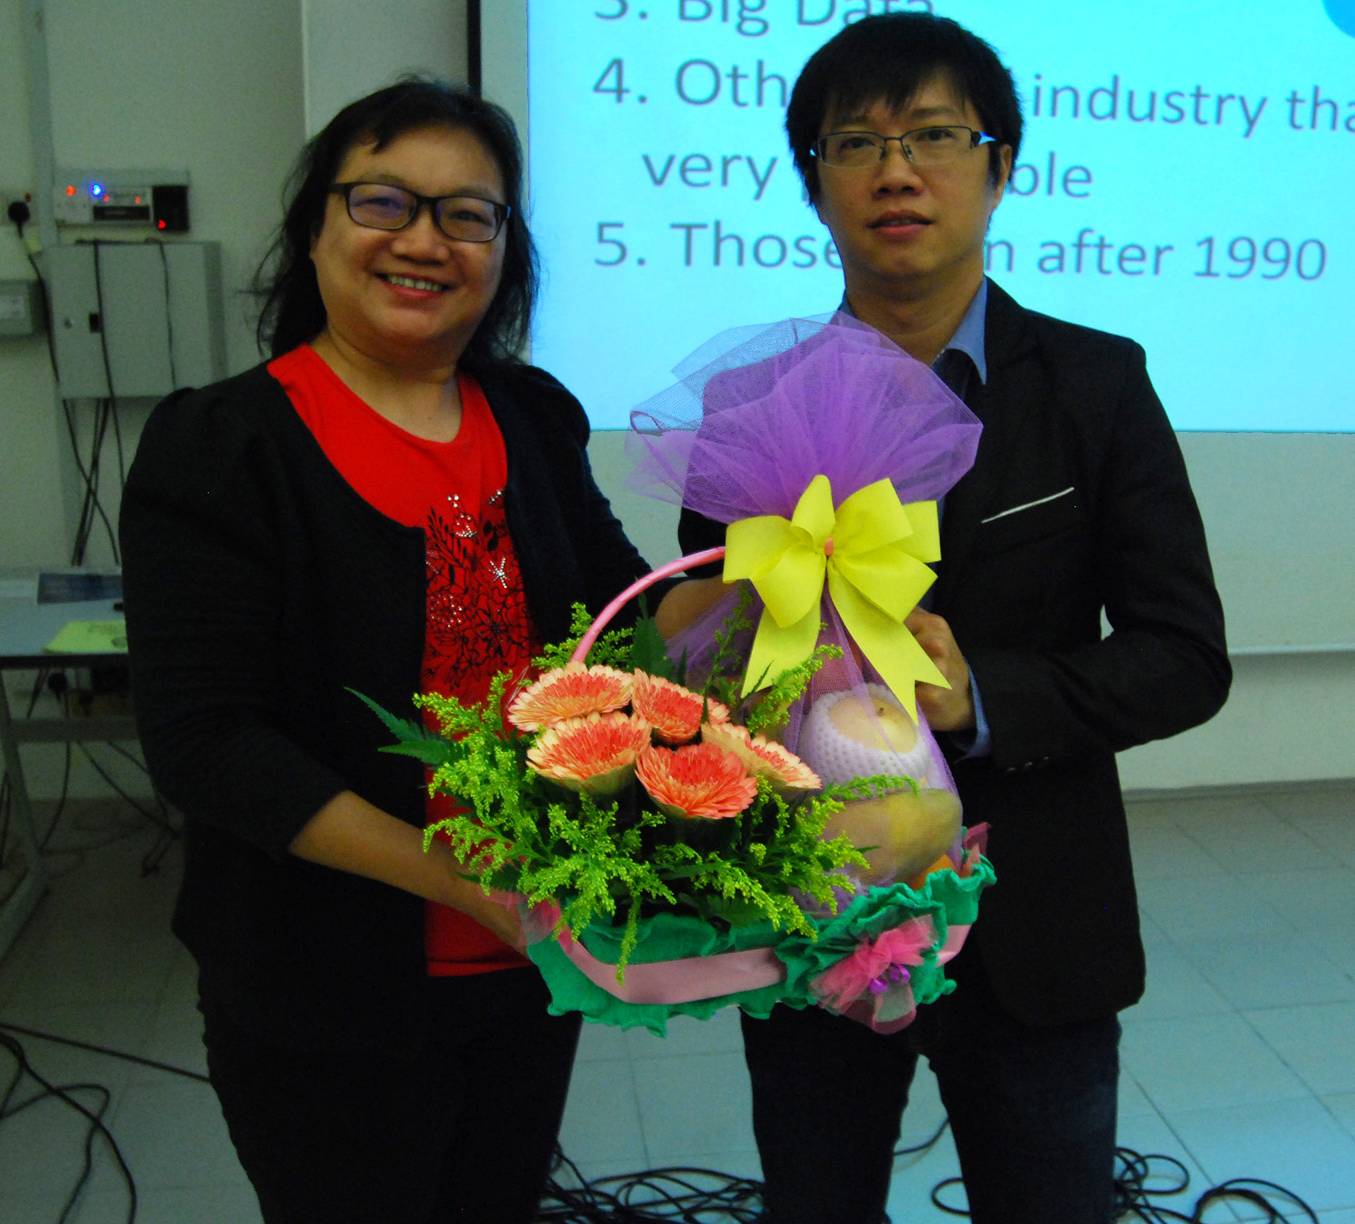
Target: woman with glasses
(392, 504)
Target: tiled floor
(1240, 1061)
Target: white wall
(31, 517)
(352, 47)
(144, 83)
(229, 89)
(216, 88)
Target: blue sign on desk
(78, 587)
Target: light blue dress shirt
(962, 360)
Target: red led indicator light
(160, 224)
(70, 189)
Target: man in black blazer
(904, 129)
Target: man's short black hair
(889, 58)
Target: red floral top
(477, 622)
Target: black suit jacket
(1078, 502)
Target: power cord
(169, 308)
(106, 410)
(680, 1194)
(1141, 1178)
(105, 415)
(19, 214)
(657, 1196)
(65, 1093)
(675, 1195)
(91, 504)
(169, 827)
(7, 788)
(108, 1051)
(1134, 1193)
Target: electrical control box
(135, 319)
(20, 308)
(156, 198)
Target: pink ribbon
(869, 1013)
(672, 981)
(876, 965)
(871, 985)
(861, 986)
(955, 938)
(679, 981)
(975, 843)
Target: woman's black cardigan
(259, 588)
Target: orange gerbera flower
(698, 780)
(571, 691)
(763, 757)
(674, 712)
(596, 753)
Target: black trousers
(462, 1131)
(1032, 1111)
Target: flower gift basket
(753, 813)
(659, 850)
(824, 450)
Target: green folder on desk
(90, 637)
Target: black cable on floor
(656, 1196)
(6, 1026)
(65, 1094)
(927, 1144)
(671, 1194)
(1141, 1178)
(681, 1195)
(167, 828)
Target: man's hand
(686, 603)
(949, 709)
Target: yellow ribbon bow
(871, 550)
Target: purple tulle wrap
(756, 415)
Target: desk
(26, 627)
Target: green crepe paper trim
(667, 936)
(948, 899)
(945, 897)
(570, 991)
(662, 937)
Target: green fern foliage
(618, 860)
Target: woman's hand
(499, 918)
(350, 834)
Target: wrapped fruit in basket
(820, 451)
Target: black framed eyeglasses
(384, 206)
(926, 146)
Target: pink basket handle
(641, 584)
